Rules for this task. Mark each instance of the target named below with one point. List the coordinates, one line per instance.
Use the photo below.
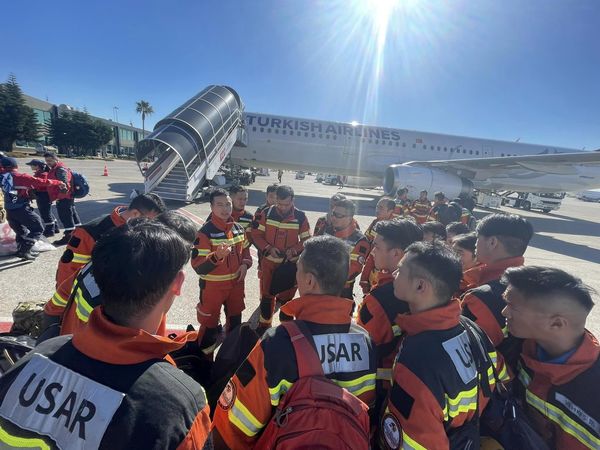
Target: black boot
(49, 230)
(64, 240)
(26, 255)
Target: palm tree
(143, 107)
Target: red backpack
(315, 413)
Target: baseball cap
(8, 162)
(36, 162)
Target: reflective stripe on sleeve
(283, 225)
(410, 444)
(203, 251)
(58, 300)
(261, 227)
(82, 308)
(242, 418)
(80, 258)
(277, 392)
(560, 418)
(226, 277)
(464, 402)
(358, 386)
(304, 235)
(11, 441)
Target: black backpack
(448, 213)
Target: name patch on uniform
(583, 416)
(342, 352)
(51, 400)
(459, 350)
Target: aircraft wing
(556, 172)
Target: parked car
(330, 179)
(300, 175)
(319, 178)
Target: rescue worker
(379, 309)
(559, 366)
(79, 250)
(85, 294)
(221, 257)
(270, 199)
(65, 204)
(113, 385)
(239, 198)
(420, 208)
(22, 219)
(464, 246)
(343, 226)
(501, 242)
(454, 229)
(324, 221)
(465, 215)
(385, 210)
(44, 205)
(435, 402)
(402, 204)
(434, 231)
(248, 402)
(279, 237)
(439, 199)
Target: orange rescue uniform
(420, 210)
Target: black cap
(8, 162)
(36, 162)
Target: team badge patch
(391, 431)
(228, 396)
(361, 260)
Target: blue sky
(496, 69)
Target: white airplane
(414, 159)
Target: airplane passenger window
(404, 144)
(397, 144)
(377, 141)
(439, 148)
(370, 141)
(334, 137)
(465, 151)
(470, 152)
(268, 130)
(391, 143)
(283, 132)
(305, 134)
(477, 152)
(424, 147)
(262, 130)
(320, 136)
(432, 147)
(253, 128)
(276, 131)
(445, 149)
(451, 149)
(501, 154)
(314, 135)
(326, 136)
(414, 145)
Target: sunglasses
(337, 215)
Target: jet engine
(417, 179)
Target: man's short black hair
(399, 233)
(514, 232)
(328, 259)
(436, 262)
(336, 198)
(272, 188)
(401, 191)
(237, 188)
(439, 195)
(388, 202)
(466, 241)
(148, 203)
(134, 266)
(423, 192)
(50, 155)
(457, 228)
(458, 201)
(217, 193)
(536, 282)
(348, 205)
(183, 226)
(437, 228)
(284, 192)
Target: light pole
(116, 113)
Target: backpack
(11, 196)
(449, 213)
(81, 187)
(315, 412)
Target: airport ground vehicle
(300, 175)
(589, 196)
(330, 179)
(545, 202)
(319, 178)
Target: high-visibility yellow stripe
(410, 444)
(523, 376)
(20, 442)
(283, 225)
(242, 418)
(261, 227)
(58, 300)
(230, 241)
(353, 256)
(465, 401)
(277, 392)
(305, 234)
(360, 385)
(82, 308)
(559, 417)
(203, 252)
(81, 258)
(384, 374)
(226, 277)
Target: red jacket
(563, 399)
(484, 303)
(434, 388)
(23, 182)
(359, 249)
(62, 173)
(77, 254)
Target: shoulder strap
(306, 355)
(480, 357)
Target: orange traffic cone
(105, 174)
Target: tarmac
(568, 238)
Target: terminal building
(125, 137)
